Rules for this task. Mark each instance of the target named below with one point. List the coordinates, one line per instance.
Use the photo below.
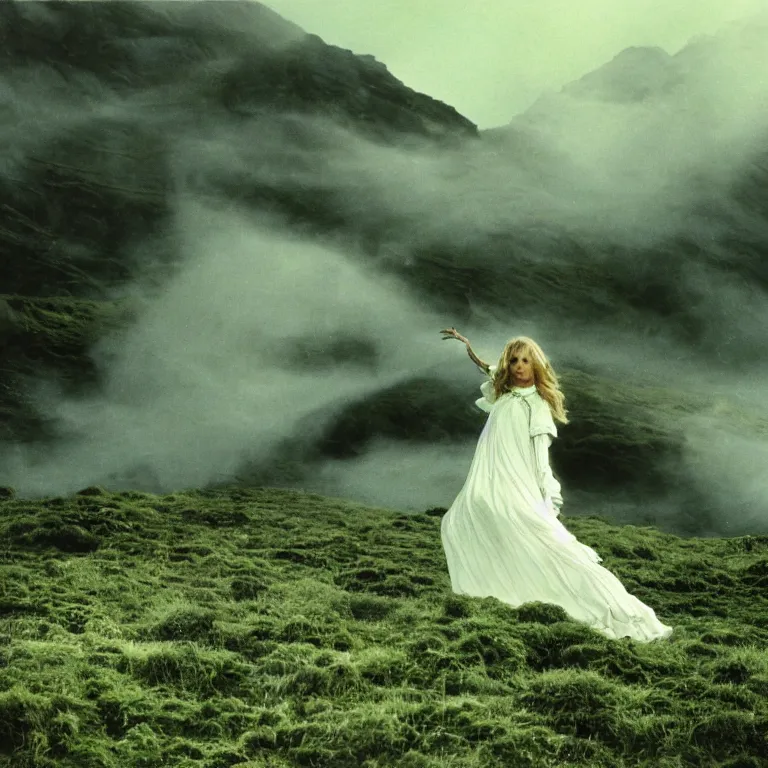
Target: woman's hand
(452, 333)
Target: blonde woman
(502, 536)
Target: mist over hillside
(288, 226)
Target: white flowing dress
(502, 537)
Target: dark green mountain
(105, 104)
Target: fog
(206, 378)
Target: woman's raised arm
(452, 333)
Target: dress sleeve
(550, 488)
(542, 422)
(485, 403)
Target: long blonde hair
(544, 377)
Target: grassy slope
(276, 628)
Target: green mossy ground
(267, 628)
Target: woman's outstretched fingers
(452, 333)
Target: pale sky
(490, 59)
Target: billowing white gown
(502, 537)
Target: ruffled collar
(522, 391)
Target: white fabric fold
(548, 485)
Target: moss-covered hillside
(263, 628)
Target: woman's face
(521, 364)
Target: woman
(502, 537)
